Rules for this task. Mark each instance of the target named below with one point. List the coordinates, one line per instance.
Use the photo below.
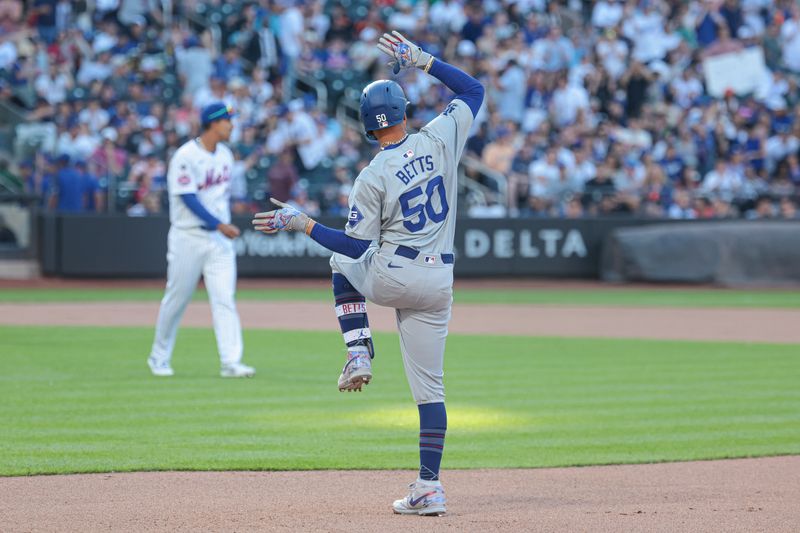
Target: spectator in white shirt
(681, 206)
(613, 54)
(790, 36)
(215, 92)
(645, 28)
(53, 85)
(194, 64)
(779, 146)
(94, 116)
(403, 19)
(544, 174)
(724, 181)
(260, 87)
(8, 51)
(584, 169)
(686, 89)
(447, 15)
(78, 143)
(567, 101)
(512, 85)
(98, 69)
(773, 88)
(606, 14)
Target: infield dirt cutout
(726, 495)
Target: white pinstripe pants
(190, 253)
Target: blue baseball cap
(216, 111)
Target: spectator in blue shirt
(92, 189)
(70, 193)
(476, 21)
(229, 65)
(672, 164)
(708, 27)
(44, 12)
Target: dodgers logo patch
(354, 217)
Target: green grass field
(82, 400)
(605, 296)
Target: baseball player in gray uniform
(397, 246)
(200, 243)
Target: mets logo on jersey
(211, 179)
(430, 259)
(408, 154)
(354, 217)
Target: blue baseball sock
(351, 310)
(432, 427)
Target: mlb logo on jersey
(184, 180)
(354, 217)
(430, 259)
(408, 154)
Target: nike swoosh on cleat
(414, 503)
(394, 266)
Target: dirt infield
(737, 495)
(733, 495)
(744, 325)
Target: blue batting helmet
(383, 104)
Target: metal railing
(317, 86)
(501, 182)
(11, 114)
(10, 186)
(18, 211)
(348, 114)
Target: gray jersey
(407, 195)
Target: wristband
(428, 65)
(309, 226)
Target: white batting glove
(404, 53)
(287, 218)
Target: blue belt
(410, 253)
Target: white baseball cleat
(357, 372)
(425, 498)
(237, 370)
(160, 368)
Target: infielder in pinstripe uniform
(397, 247)
(200, 242)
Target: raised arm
(406, 54)
(467, 89)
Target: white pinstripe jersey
(193, 169)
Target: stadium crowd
(594, 108)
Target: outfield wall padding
(118, 246)
(724, 253)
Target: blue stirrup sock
(432, 428)
(351, 310)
